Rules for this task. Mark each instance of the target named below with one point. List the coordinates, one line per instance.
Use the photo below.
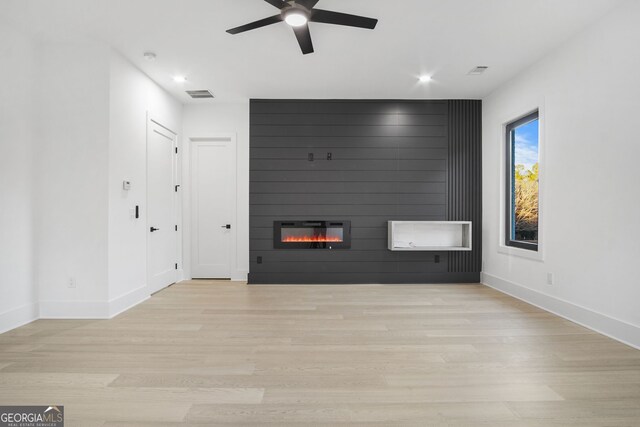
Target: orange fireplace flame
(311, 239)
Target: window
(522, 192)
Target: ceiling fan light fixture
(296, 18)
(298, 13)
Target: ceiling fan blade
(304, 38)
(257, 24)
(280, 4)
(309, 4)
(337, 18)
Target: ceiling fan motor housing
(295, 9)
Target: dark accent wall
(465, 179)
(391, 160)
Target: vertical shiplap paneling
(465, 178)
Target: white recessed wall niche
(429, 235)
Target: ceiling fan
(298, 14)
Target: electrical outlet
(549, 278)
(71, 283)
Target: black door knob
(152, 229)
(228, 226)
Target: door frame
(175, 178)
(233, 183)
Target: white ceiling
(444, 38)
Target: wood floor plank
(488, 393)
(621, 410)
(248, 381)
(127, 413)
(354, 413)
(49, 379)
(87, 395)
(219, 353)
(475, 378)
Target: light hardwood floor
(216, 353)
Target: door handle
(152, 229)
(228, 226)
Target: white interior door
(162, 245)
(212, 207)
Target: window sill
(522, 253)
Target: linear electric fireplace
(312, 234)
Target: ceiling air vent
(199, 94)
(476, 71)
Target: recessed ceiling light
(424, 78)
(179, 79)
(296, 19)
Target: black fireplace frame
(344, 244)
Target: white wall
(18, 131)
(589, 95)
(95, 124)
(132, 96)
(72, 160)
(206, 120)
(73, 127)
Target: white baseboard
(180, 275)
(71, 309)
(240, 276)
(18, 317)
(617, 329)
(125, 302)
(74, 310)
(236, 276)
